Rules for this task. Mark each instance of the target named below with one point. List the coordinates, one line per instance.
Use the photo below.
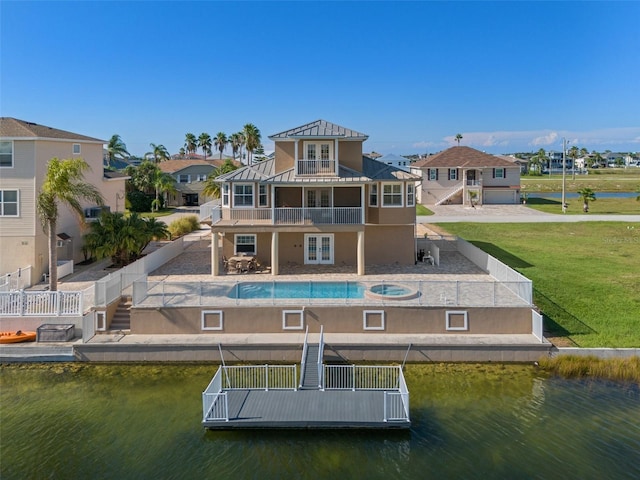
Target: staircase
(310, 380)
(455, 190)
(122, 317)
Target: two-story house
(25, 150)
(190, 176)
(462, 175)
(318, 201)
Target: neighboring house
(25, 150)
(523, 164)
(458, 174)
(396, 161)
(190, 176)
(318, 201)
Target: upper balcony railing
(321, 168)
(292, 215)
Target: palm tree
(458, 138)
(182, 152)
(638, 192)
(204, 142)
(162, 183)
(536, 162)
(190, 143)
(236, 140)
(116, 148)
(587, 195)
(211, 187)
(573, 154)
(159, 153)
(252, 138)
(220, 142)
(64, 184)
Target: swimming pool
(249, 290)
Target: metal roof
(376, 170)
(319, 129)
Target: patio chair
(232, 265)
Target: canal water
(486, 421)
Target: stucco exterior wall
(284, 153)
(388, 245)
(336, 319)
(350, 155)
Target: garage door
(499, 196)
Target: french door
(318, 249)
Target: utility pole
(564, 171)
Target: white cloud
(544, 140)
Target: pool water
(249, 290)
(390, 290)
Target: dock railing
(320, 353)
(303, 362)
(261, 377)
(396, 404)
(214, 400)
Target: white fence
(23, 303)
(290, 215)
(17, 280)
(519, 284)
(260, 377)
(214, 400)
(88, 326)
(537, 325)
(361, 377)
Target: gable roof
(392, 157)
(319, 129)
(14, 128)
(457, 157)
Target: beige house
(461, 175)
(190, 176)
(318, 201)
(25, 150)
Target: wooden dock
(326, 397)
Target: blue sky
(508, 76)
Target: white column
(361, 252)
(274, 253)
(363, 198)
(215, 260)
(295, 156)
(335, 156)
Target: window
(263, 199)
(325, 149)
(225, 195)
(76, 149)
(392, 195)
(182, 178)
(411, 195)
(245, 244)
(373, 195)
(243, 195)
(498, 173)
(202, 177)
(6, 154)
(311, 151)
(95, 212)
(453, 174)
(8, 203)
(433, 174)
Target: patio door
(318, 249)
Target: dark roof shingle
(456, 157)
(14, 128)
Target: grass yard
(586, 275)
(607, 180)
(422, 210)
(609, 206)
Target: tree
(236, 140)
(573, 154)
(116, 148)
(458, 138)
(211, 186)
(190, 143)
(142, 176)
(182, 152)
(204, 142)
(123, 238)
(638, 192)
(64, 184)
(220, 142)
(587, 195)
(159, 153)
(252, 138)
(536, 162)
(162, 183)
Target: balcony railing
(294, 215)
(317, 167)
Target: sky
(510, 76)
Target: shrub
(139, 201)
(184, 225)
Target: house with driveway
(25, 150)
(318, 201)
(464, 175)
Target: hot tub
(390, 291)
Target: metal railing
(261, 377)
(396, 404)
(361, 377)
(320, 352)
(292, 215)
(316, 167)
(41, 303)
(303, 362)
(214, 400)
(17, 280)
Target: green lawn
(586, 275)
(615, 206)
(606, 180)
(422, 210)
